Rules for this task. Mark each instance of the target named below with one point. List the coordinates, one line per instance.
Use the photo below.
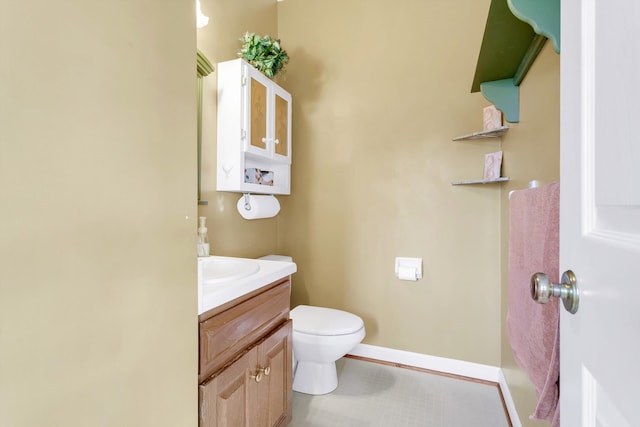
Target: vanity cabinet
(245, 369)
(254, 131)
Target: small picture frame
(492, 165)
(491, 118)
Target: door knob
(542, 290)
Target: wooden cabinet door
(274, 399)
(229, 399)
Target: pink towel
(533, 328)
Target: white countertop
(216, 294)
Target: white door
(600, 212)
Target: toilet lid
(324, 321)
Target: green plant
(264, 53)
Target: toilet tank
(283, 258)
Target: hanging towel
(532, 328)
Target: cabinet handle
(266, 371)
(257, 376)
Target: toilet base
(315, 378)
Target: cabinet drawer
(230, 332)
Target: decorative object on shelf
(264, 53)
(491, 118)
(258, 176)
(492, 165)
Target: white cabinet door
(600, 212)
(256, 112)
(267, 123)
(281, 125)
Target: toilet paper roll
(407, 273)
(261, 207)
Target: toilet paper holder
(408, 268)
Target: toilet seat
(324, 321)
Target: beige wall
(380, 89)
(375, 107)
(532, 151)
(229, 233)
(98, 301)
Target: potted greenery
(264, 53)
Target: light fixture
(201, 20)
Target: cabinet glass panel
(258, 114)
(282, 126)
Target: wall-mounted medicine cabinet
(254, 131)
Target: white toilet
(320, 337)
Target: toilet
(320, 337)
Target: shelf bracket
(505, 95)
(528, 59)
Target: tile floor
(373, 394)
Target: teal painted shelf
(514, 35)
(542, 15)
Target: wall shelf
(514, 35)
(494, 133)
(481, 181)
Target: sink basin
(222, 279)
(216, 270)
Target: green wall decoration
(542, 15)
(514, 35)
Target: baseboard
(448, 366)
(434, 363)
(508, 401)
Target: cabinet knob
(257, 376)
(266, 371)
(277, 141)
(265, 140)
